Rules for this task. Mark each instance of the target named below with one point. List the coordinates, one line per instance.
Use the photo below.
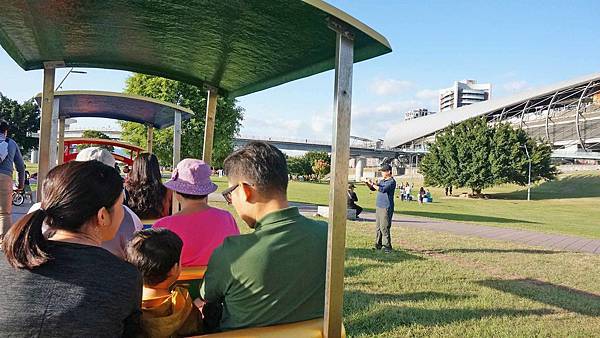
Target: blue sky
(514, 45)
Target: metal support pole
(60, 156)
(577, 126)
(209, 126)
(176, 151)
(548, 115)
(54, 134)
(149, 138)
(334, 285)
(523, 113)
(45, 127)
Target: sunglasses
(227, 193)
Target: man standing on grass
(384, 208)
(276, 274)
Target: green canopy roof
(237, 46)
(124, 107)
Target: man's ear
(247, 191)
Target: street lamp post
(67, 75)
(529, 180)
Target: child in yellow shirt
(167, 311)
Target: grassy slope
(568, 205)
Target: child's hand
(199, 303)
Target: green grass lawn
(569, 205)
(444, 285)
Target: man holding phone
(384, 207)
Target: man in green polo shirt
(276, 274)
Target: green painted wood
(238, 46)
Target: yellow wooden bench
(306, 329)
(191, 273)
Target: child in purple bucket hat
(201, 227)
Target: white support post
(209, 126)
(61, 141)
(176, 151)
(54, 134)
(45, 126)
(340, 155)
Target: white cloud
(428, 94)
(514, 86)
(384, 87)
(397, 106)
(277, 127)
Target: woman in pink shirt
(201, 227)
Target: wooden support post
(176, 152)
(209, 126)
(149, 138)
(61, 141)
(45, 127)
(340, 155)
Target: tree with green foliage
(299, 166)
(227, 120)
(95, 134)
(23, 118)
(305, 165)
(321, 168)
(477, 155)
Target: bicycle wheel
(18, 199)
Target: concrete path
(556, 242)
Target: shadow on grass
(371, 320)
(566, 298)
(378, 255)
(574, 186)
(464, 217)
(482, 250)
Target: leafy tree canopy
(95, 134)
(311, 163)
(476, 155)
(227, 121)
(23, 118)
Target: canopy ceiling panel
(237, 46)
(118, 106)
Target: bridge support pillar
(361, 162)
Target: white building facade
(416, 113)
(464, 93)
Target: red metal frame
(70, 142)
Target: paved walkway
(556, 242)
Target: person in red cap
(201, 227)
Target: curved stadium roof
(406, 132)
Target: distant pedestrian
(384, 208)
(10, 156)
(446, 190)
(352, 199)
(421, 195)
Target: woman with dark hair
(68, 286)
(146, 195)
